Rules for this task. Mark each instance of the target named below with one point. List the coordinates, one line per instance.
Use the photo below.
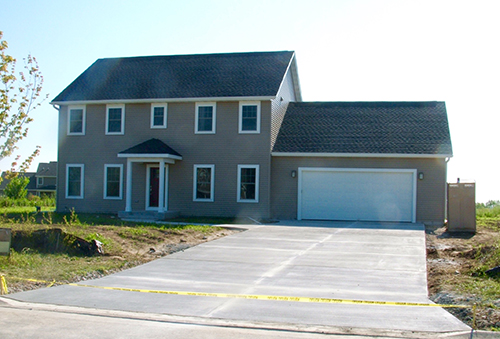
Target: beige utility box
(462, 207)
(5, 239)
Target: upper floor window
(249, 117)
(74, 181)
(39, 181)
(203, 183)
(248, 183)
(115, 119)
(205, 118)
(159, 116)
(113, 181)
(76, 120)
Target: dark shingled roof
(181, 76)
(365, 127)
(47, 169)
(152, 146)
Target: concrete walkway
(362, 261)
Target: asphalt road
(361, 261)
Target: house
(229, 135)
(46, 178)
(43, 181)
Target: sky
(347, 50)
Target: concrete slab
(363, 261)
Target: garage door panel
(354, 194)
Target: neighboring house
(46, 178)
(43, 181)
(229, 135)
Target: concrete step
(148, 215)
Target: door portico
(155, 155)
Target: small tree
(16, 188)
(19, 96)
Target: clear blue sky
(349, 50)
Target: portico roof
(152, 148)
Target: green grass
(485, 212)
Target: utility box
(5, 239)
(462, 207)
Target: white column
(161, 198)
(128, 197)
(167, 168)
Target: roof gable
(183, 76)
(150, 147)
(390, 128)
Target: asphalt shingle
(181, 76)
(365, 127)
(152, 146)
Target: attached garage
(357, 194)
(366, 161)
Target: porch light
(421, 176)
(294, 173)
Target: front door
(154, 186)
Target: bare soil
(451, 258)
(130, 248)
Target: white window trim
(84, 118)
(256, 200)
(214, 118)
(82, 181)
(212, 182)
(120, 196)
(165, 107)
(240, 119)
(39, 181)
(108, 107)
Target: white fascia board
(149, 156)
(292, 67)
(358, 155)
(138, 101)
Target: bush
(16, 188)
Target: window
(113, 181)
(76, 120)
(248, 183)
(74, 181)
(205, 118)
(249, 117)
(115, 119)
(159, 116)
(203, 183)
(39, 181)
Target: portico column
(161, 198)
(128, 198)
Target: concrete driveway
(362, 261)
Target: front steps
(148, 215)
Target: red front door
(154, 186)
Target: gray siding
(430, 191)
(226, 149)
(280, 104)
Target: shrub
(16, 188)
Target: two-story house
(229, 135)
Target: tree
(20, 94)
(16, 188)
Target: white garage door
(357, 194)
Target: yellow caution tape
(271, 297)
(256, 297)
